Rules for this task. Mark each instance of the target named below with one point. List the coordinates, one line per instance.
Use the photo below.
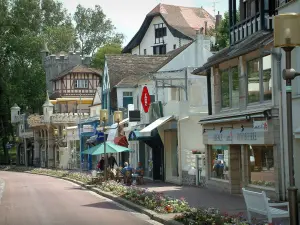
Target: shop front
(149, 150)
(243, 153)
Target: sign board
(135, 116)
(87, 129)
(112, 133)
(236, 136)
(145, 99)
(261, 125)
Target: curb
(152, 215)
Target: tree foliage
(99, 57)
(25, 25)
(94, 29)
(222, 32)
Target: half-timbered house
(74, 89)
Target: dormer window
(160, 33)
(81, 84)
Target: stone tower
(54, 65)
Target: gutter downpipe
(278, 56)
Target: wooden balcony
(280, 3)
(249, 26)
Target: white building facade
(169, 27)
(178, 101)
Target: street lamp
(287, 36)
(104, 118)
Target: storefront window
(220, 162)
(261, 165)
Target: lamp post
(287, 36)
(118, 117)
(103, 118)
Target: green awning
(110, 148)
(89, 151)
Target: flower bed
(82, 177)
(212, 216)
(150, 200)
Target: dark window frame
(160, 49)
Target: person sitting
(140, 174)
(127, 173)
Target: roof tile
(121, 66)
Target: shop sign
(87, 128)
(145, 99)
(236, 136)
(261, 125)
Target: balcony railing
(248, 27)
(279, 3)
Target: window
(160, 32)
(225, 89)
(220, 162)
(127, 99)
(267, 79)
(159, 50)
(235, 94)
(259, 85)
(152, 97)
(230, 88)
(174, 46)
(253, 81)
(145, 51)
(81, 84)
(261, 165)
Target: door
(171, 148)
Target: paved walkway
(202, 197)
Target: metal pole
(25, 152)
(105, 157)
(292, 189)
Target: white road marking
(137, 214)
(2, 186)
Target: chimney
(218, 20)
(205, 27)
(198, 47)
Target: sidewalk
(201, 197)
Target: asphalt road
(40, 200)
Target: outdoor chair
(140, 178)
(128, 177)
(259, 203)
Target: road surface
(41, 200)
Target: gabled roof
(251, 43)
(78, 69)
(97, 97)
(121, 66)
(132, 80)
(181, 21)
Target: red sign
(145, 99)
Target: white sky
(128, 16)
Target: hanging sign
(145, 99)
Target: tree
(99, 57)
(93, 29)
(23, 27)
(222, 32)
